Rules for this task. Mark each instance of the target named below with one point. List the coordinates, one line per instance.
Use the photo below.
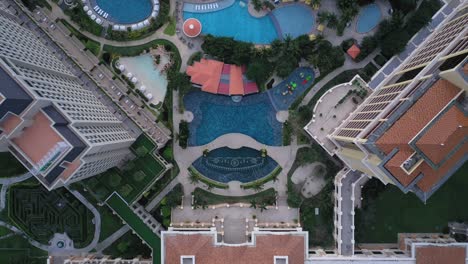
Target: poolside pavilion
(219, 78)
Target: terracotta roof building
(265, 248)
(219, 78)
(412, 130)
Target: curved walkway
(185, 52)
(6, 182)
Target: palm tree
(315, 3)
(263, 207)
(193, 179)
(274, 177)
(253, 204)
(258, 187)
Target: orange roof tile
(203, 248)
(236, 84)
(38, 139)
(353, 51)
(410, 124)
(10, 123)
(440, 255)
(444, 135)
(206, 73)
(71, 168)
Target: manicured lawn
(203, 197)
(16, 249)
(40, 213)
(393, 212)
(10, 166)
(131, 182)
(137, 225)
(128, 246)
(4, 231)
(171, 27)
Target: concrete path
(153, 203)
(6, 182)
(348, 65)
(112, 238)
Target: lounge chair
(95, 8)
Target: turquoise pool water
(148, 75)
(126, 11)
(235, 21)
(294, 20)
(368, 18)
(243, 165)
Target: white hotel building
(56, 128)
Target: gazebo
(192, 27)
(353, 51)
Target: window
(281, 260)
(187, 259)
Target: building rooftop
(219, 78)
(262, 251)
(432, 133)
(440, 254)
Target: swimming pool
(144, 69)
(368, 18)
(216, 115)
(126, 11)
(243, 165)
(294, 20)
(235, 21)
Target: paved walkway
(112, 238)
(153, 203)
(6, 182)
(348, 65)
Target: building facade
(412, 130)
(60, 131)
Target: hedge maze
(41, 213)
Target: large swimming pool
(368, 18)
(235, 21)
(126, 11)
(243, 165)
(216, 115)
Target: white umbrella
(84, 1)
(134, 80)
(115, 27)
(89, 12)
(146, 22)
(122, 28)
(142, 88)
(93, 17)
(85, 8)
(99, 21)
(149, 96)
(129, 75)
(121, 67)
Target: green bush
(125, 190)
(184, 134)
(139, 176)
(165, 211)
(195, 57)
(141, 151)
(114, 179)
(79, 16)
(168, 153)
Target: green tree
(259, 71)
(394, 43)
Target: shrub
(184, 134)
(141, 151)
(114, 179)
(168, 153)
(195, 57)
(139, 176)
(125, 190)
(165, 211)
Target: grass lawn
(128, 246)
(4, 231)
(16, 249)
(10, 166)
(392, 211)
(203, 197)
(171, 27)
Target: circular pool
(243, 165)
(368, 18)
(126, 11)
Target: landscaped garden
(10, 166)
(41, 213)
(162, 213)
(17, 250)
(387, 211)
(320, 226)
(134, 179)
(204, 198)
(128, 246)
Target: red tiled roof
(192, 27)
(413, 122)
(202, 247)
(207, 73)
(354, 51)
(441, 255)
(9, 123)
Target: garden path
(112, 238)
(348, 65)
(6, 182)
